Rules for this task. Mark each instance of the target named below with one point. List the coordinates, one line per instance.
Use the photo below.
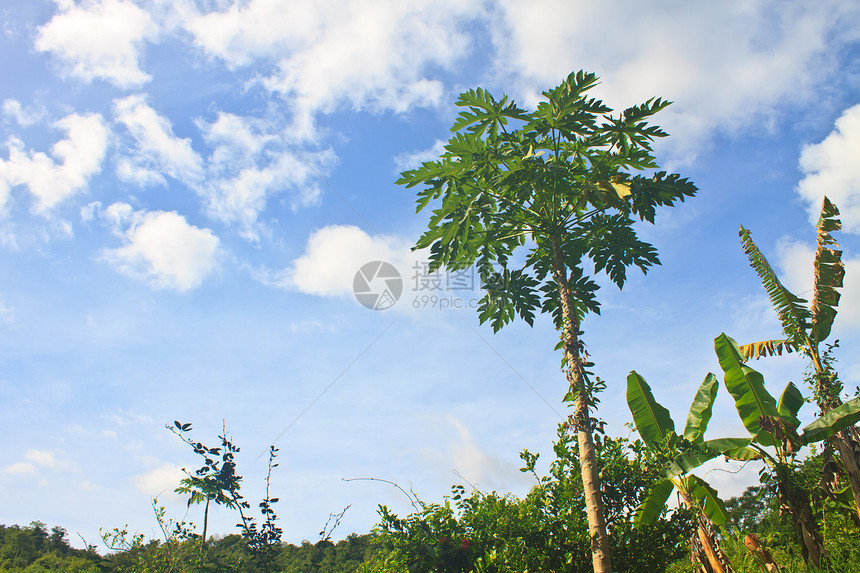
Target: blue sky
(187, 190)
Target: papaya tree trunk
(575, 374)
(205, 523)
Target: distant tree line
(34, 549)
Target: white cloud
(41, 457)
(99, 39)
(463, 455)
(34, 460)
(309, 326)
(249, 163)
(335, 253)
(161, 247)
(80, 156)
(725, 64)
(370, 54)
(21, 468)
(165, 477)
(832, 168)
(7, 313)
(795, 259)
(24, 117)
(158, 149)
(414, 159)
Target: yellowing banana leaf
(829, 272)
(766, 348)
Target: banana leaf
(793, 313)
(651, 509)
(832, 422)
(733, 448)
(701, 409)
(706, 497)
(829, 272)
(766, 348)
(789, 404)
(746, 386)
(653, 421)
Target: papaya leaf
(832, 422)
(651, 509)
(789, 404)
(829, 273)
(793, 314)
(701, 409)
(746, 386)
(653, 421)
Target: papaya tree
(774, 424)
(806, 327)
(681, 454)
(539, 201)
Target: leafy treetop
(554, 179)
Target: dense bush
(544, 531)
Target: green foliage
(218, 481)
(701, 409)
(31, 549)
(746, 386)
(544, 531)
(769, 423)
(678, 456)
(512, 179)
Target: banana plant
(806, 326)
(774, 424)
(657, 430)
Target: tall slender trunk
(575, 374)
(205, 522)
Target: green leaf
(701, 409)
(793, 314)
(706, 498)
(652, 508)
(789, 404)
(746, 386)
(733, 448)
(652, 420)
(829, 272)
(614, 246)
(658, 190)
(832, 422)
